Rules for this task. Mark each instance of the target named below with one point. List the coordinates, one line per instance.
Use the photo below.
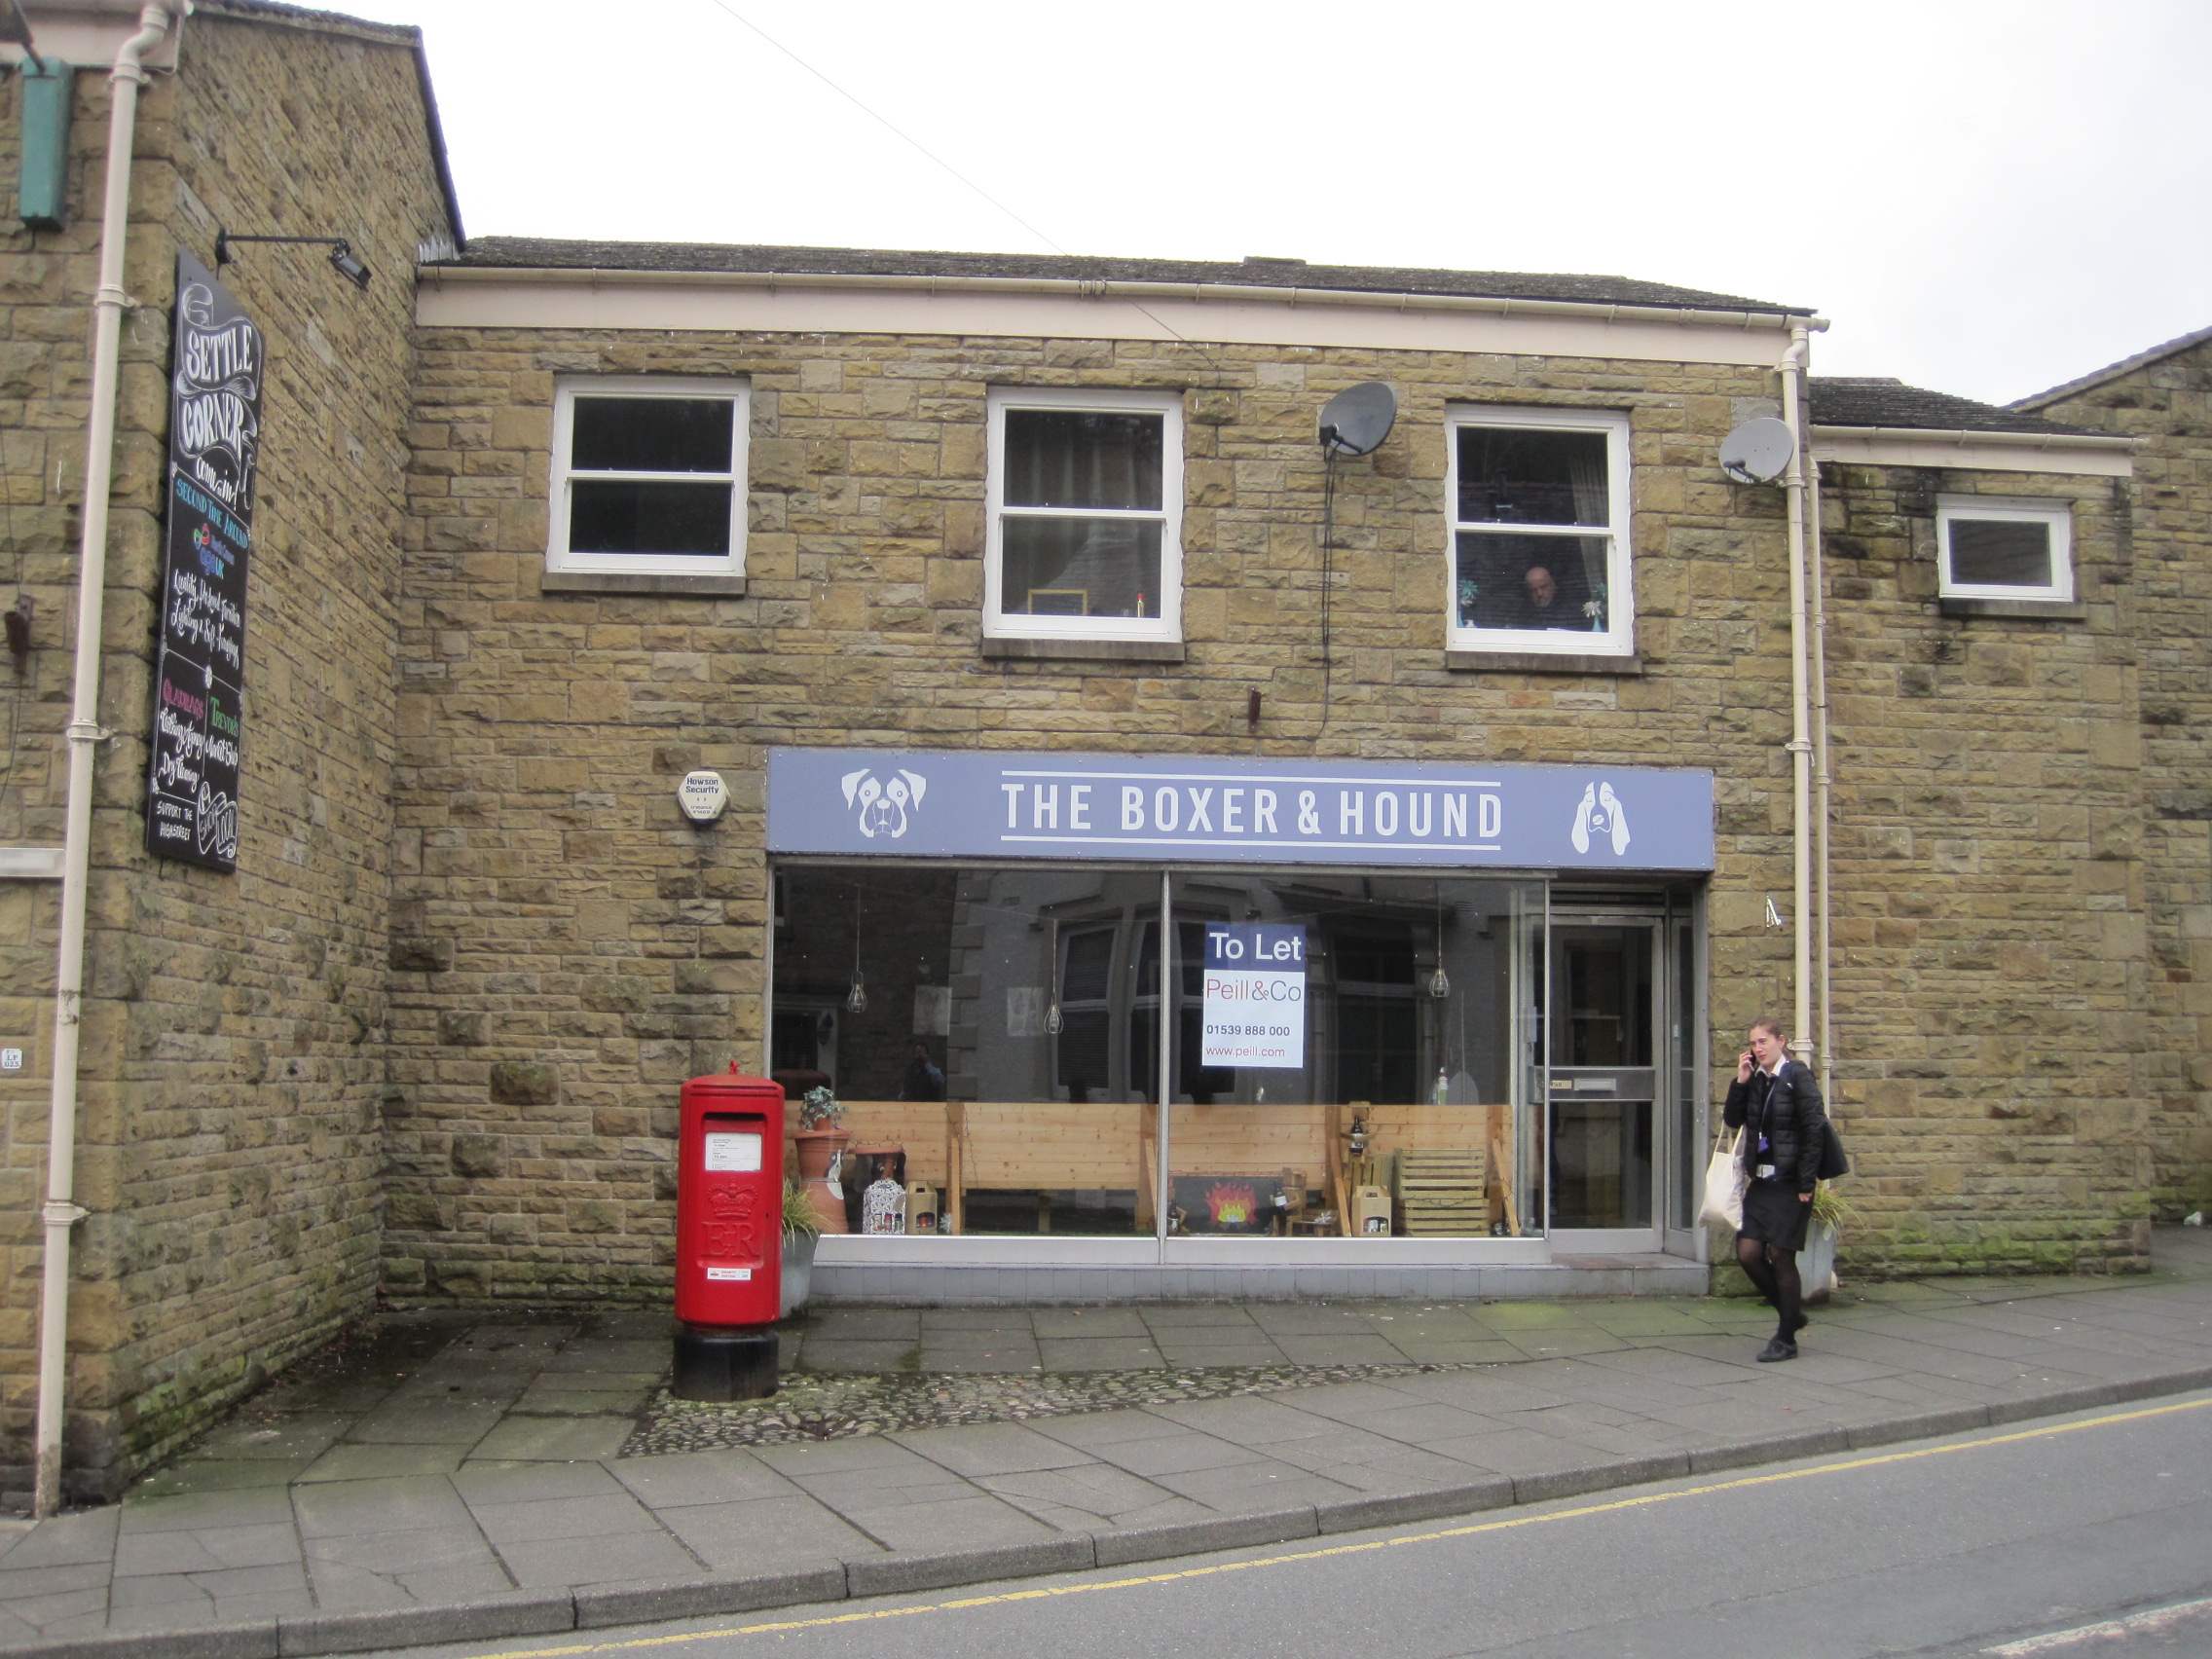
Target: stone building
(233, 1066)
(1048, 656)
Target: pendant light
(1052, 1020)
(856, 1000)
(1440, 983)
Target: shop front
(1112, 1026)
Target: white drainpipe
(1800, 699)
(1821, 782)
(61, 1211)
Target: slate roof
(548, 253)
(1849, 401)
(2114, 371)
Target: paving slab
(617, 1559)
(555, 1439)
(952, 1517)
(992, 1448)
(206, 1549)
(348, 1463)
(692, 1479)
(1092, 1494)
(345, 1508)
(1000, 1360)
(765, 1535)
(1098, 1354)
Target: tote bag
(1724, 1184)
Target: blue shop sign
(1191, 809)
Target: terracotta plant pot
(816, 1148)
(828, 1209)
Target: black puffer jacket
(1788, 1110)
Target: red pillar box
(729, 1229)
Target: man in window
(1543, 609)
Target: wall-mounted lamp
(341, 258)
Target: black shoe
(1797, 1325)
(1778, 1348)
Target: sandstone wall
(2167, 407)
(1988, 876)
(233, 1068)
(566, 952)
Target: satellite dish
(1358, 419)
(1758, 451)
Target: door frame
(1658, 916)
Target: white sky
(1986, 196)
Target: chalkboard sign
(192, 786)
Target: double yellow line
(1548, 1517)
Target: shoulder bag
(1724, 1201)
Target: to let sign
(192, 785)
(1255, 995)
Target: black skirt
(1775, 1215)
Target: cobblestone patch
(838, 1408)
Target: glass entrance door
(1602, 996)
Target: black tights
(1773, 1272)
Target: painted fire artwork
(1232, 1206)
(1223, 1202)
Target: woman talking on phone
(1776, 1103)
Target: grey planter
(1816, 1262)
(798, 1272)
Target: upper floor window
(648, 476)
(1993, 547)
(1085, 515)
(1539, 532)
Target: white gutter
(61, 1211)
(1195, 293)
(1792, 370)
(1957, 435)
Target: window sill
(1541, 662)
(1084, 650)
(2029, 609)
(640, 581)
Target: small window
(1087, 507)
(1993, 548)
(1539, 532)
(647, 476)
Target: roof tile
(548, 253)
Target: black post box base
(718, 1364)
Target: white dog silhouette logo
(884, 806)
(1600, 814)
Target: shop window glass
(1401, 1029)
(1037, 997)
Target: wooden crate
(1441, 1192)
(918, 1125)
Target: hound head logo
(1600, 814)
(884, 806)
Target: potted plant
(821, 1140)
(1816, 1262)
(800, 1233)
(821, 1134)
